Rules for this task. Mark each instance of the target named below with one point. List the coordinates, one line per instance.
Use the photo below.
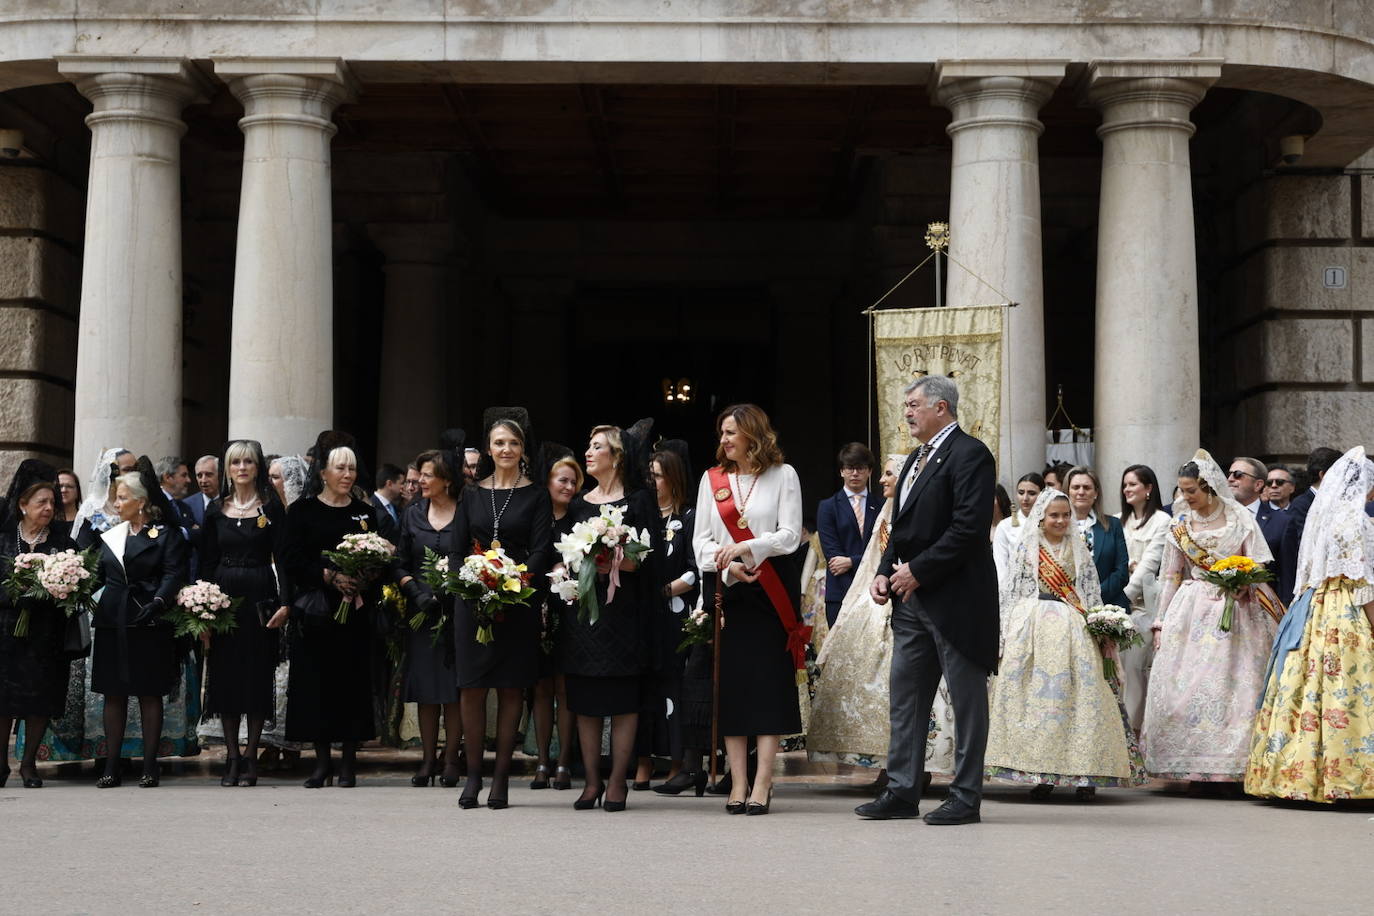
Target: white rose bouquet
(65, 579)
(361, 557)
(597, 545)
(1115, 632)
(203, 607)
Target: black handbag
(311, 604)
(76, 636)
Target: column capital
(151, 89)
(1148, 93)
(302, 91)
(994, 93)
(413, 243)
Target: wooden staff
(715, 677)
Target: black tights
(231, 736)
(545, 692)
(324, 764)
(116, 719)
(34, 727)
(623, 728)
(429, 734)
(509, 703)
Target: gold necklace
(744, 500)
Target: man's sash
(1205, 561)
(798, 635)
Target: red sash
(798, 636)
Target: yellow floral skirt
(1314, 734)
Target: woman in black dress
(508, 509)
(430, 679)
(33, 668)
(142, 567)
(329, 695)
(242, 539)
(758, 651)
(605, 664)
(679, 566)
(565, 482)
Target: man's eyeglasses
(1277, 482)
(1237, 475)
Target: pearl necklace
(1203, 519)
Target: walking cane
(715, 678)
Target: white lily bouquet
(1115, 632)
(600, 543)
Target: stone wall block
(1296, 421)
(1293, 207)
(32, 340)
(1309, 350)
(1367, 350)
(37, 411)
(1293, 278)
(1367, 206)
(36, 268)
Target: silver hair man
(936, 388)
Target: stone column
(413, 402)
(536, 329)
(1145, 379)
(128, 365)
(281, 367)
(994, 219)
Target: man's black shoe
(951, 812)
(887, 807)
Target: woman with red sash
(749, 521)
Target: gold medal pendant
(362, 523)
(496, 544)
(152, 533)
(262, 521)
(742, 523)
(722, 494)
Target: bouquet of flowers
(603, 540)
(395, 602)
(360, 557)
(1115, 631)
(434, 573)
(202, 608)
(489, 581)
(1231, 575)
(66, 579)
(697, 630)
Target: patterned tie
(858, 511)
(915, 471)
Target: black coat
(1292, 538)
(154, 567)
(941, 530)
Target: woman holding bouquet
(430, 679)
(509, 511)
(330, 691)
(243, 545)
(604, 662)
(1314, 735)
(748, 529)
(1074, 734)
(33, 668)
(142, 566)
(1198, 664)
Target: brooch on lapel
(362, 523)
(153, 532)
(262, 521)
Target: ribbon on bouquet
(798, 634)
(617, 557)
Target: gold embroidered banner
(962, 342)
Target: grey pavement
(194, 847)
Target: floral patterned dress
(1205, 681)
(1054, 719)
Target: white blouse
(773, 509)
(1145, 547)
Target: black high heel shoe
(108, 781)
(644, 786)
(231, 773)
(347, 779)
(151, 780)
(420, 780)
(562, 779)
(682, 782)
(31, 780)
(541, 777)
(450, 777)
(320, 778)
(609, 805)
(755, 808)
(586, 804)
(737, 807)
(468, 800)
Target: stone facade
(385, 217)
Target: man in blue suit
(1318, 463)
(845, 522)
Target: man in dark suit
(938, 566)
(1318, 463)
(845, 523)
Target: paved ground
(192, 846)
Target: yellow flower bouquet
(1231, 575)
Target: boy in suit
(845, 522)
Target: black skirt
(430, 676)
(604, 696)
(329, 693)
(243, 663)
(758, 685)
(33, 671)
(511, 659)
(134, 662)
